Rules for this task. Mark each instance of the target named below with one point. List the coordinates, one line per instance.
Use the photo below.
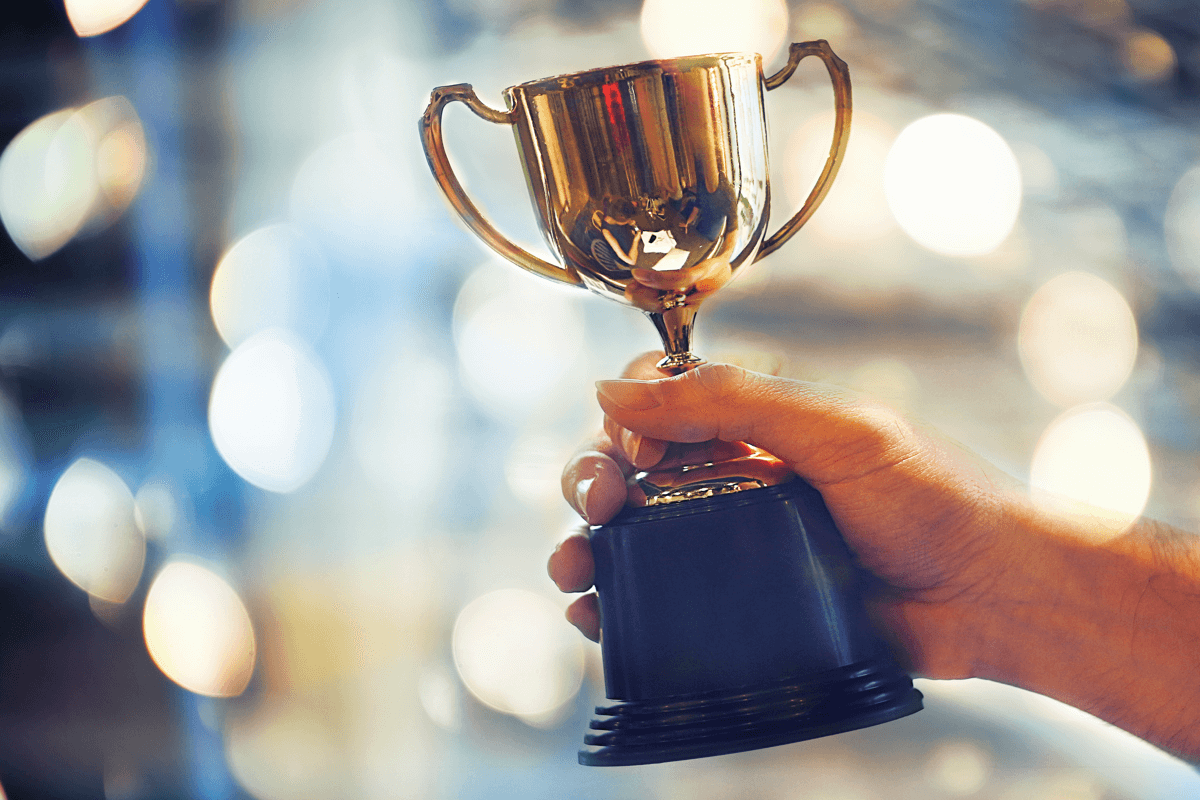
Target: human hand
(973, 580)
(920, 512)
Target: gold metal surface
(751, 471)
(651, 186)
(650, 180)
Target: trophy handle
(435, 152)
(840, 75)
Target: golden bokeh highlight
(91, 534)
(958, 768)
(121, 157)
(1092, 463)
(198, 630)
(515, 655)
(855, 211)
(273, 277)
(673, 28)
(823, 21)
(518, 341)
(953, 185)
(887, 379)
(1147, 56)
(47, 184)
(441, 698)
(287, 751)
(1077, 339)
(69, 172)
(94, 17)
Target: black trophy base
(719, 723)
(734, 623)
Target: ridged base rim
(750, 718)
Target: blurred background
(280, 442)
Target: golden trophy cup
(651, 186)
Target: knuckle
(718, 380)
(874, 437)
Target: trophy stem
(674, 326)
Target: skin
(974, 578)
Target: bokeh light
(90, 531)
(1093, 455)
(953, 184)
(94, 17)
(673, 28)
(515, 654)
(68, 171)
(398, 425)
(856, 210)
(271, 411)
(1147, 56)
(47, 184)
(155, 509)
(1182, 226)
(274, 277)
(1039, 174)
(286, 751)
(518, 340)
(353, 194)
(198, 631)
(822, 21)
(958, 768)
(1057, 785)
(888, 379)
(441, 698)
(120, 154)
(1077, 339)
(533, 469)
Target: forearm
(1108, 625)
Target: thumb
(824, 433)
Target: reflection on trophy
(730, 605)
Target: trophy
(731, 608)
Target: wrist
(1108, 624)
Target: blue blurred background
(280, 442)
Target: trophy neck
(674, 326)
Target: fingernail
(631, 443)
(633, 395)
(581, 496)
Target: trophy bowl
(731, 609)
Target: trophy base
(750, 718)
(731, 623)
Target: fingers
(584, 614)
(570, 565)
(826, 434)
(593, 482)
(644, 451)
(570, 568)
(641, 451)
